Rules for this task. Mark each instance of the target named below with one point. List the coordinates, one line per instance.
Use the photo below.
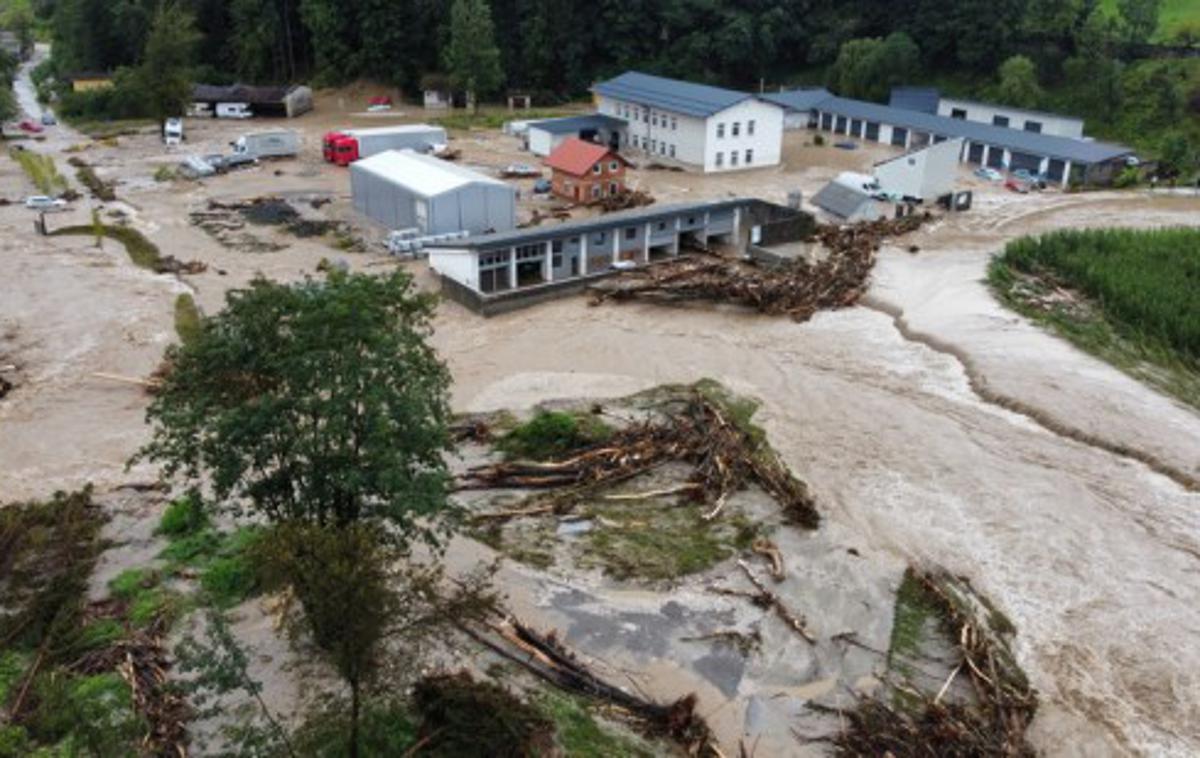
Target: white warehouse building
(400, 189)
(695, 125)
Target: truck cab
(339, 148)
(173, 131)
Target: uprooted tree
(322, 406)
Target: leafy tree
(164, 79)
(472, 59)
(318, 402)
(869, 68)
(1018, 83)
(1177, 156)
(1141, 17)
(1099, 35)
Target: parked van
(173, 131)
(233, 110)
(279, 143)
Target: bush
(552, 433)
(132, 582)
(818, 140)
(188, 321)
(184, 515)
(1129, 177)
(464, 718)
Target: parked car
(541, 186)
(45, 203)
(989, 174)
(379, 103)
(1016, 185)
(48, 119)
(521, 169)
(30, 126)
(1029, 178)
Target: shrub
(552, 433)
(462, 717)
(132, 582)
(188, 321)
(818, 140)
(184, 515)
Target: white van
(173, 131)
(233, 110)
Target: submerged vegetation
(41, 171)
(1128, 296)
(142, 251)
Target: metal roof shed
(401, 189)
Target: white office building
(695, 125)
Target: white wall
(1061, 126)
(766, 142)
(459, 264)
(927, 174)
(687, 137)
(540, 142)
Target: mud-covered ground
(931, 424)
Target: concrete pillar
(512, 267)
(646, 242)
(548, 263)
(616, 246)
(737, 226)
(704, 237)
(987, 151)
(675, 243)
(1044, 166)
(908, 138)
(1007, 160)
(965, 152)
(583, 255)
(1066, 180)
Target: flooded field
(932, 426)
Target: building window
(646, 116)
(672, 151)
(673, 123)
(654, 119)
(662, 226)
(556, 260)
(631, 232)
(749, 157)
(613, 188)
(596, 168)
(662, 148)
(720, 131)
(720, 160)
(733, 156)
(750, 129)
(598, 238)
(556, 246)
(613, 166)
(736, 128)
(1033, 126)
(1000, 120)
(958, 113)
(596, 190)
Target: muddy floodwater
(931, 424)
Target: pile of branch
(549, 659)
(624, 200)
(142, 661)
(798, 289)
(725, 458)
(994, 724)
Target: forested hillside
(1096, 58)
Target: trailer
(278, 143)
(348, 145)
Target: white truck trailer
(278, 143)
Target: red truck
(348, 145)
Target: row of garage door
(995, 158)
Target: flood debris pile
(228, 224)
(988, 717)
(725, 457)
(797, 289)
(87, 176)
(624, 200)
(80, 677)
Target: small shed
(401, 189)
(87, 81)
(277, 102)
(584, 171)
(846, 203)
(542, 137)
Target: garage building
(544, 136)
(400, 189)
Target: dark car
(541, 186)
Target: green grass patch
(553, 434)
(1172, 15)
(142, 251)
(579, 735)
(41, 170)
(101, 129)
(914, 611)
(86, 175)
(387, 728)
(183, 516)
(100, 634)
(164, 174)
(188, 321)
(132, 582)
(224, 562)
(12, 668)
(1130, 297)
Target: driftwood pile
(798, 289)
(624, 200)
(725, 458)
(549, 659)
(141, 659)
(994, 724)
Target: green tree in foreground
(472, 58)
(163, 77)
(1141, 17)
(318, 402)
(1018, 83)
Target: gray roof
(924, 99)
(671, 95)
(572, 124)
(1066, 148)
(840, 200)
(608, 221)
(802, 99)
(1029, 111)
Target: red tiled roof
(576, 157)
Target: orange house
(585, 172)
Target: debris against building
(400, 189)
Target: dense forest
(1123, 64)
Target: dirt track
(1093, 555)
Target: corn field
(1146, 282)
